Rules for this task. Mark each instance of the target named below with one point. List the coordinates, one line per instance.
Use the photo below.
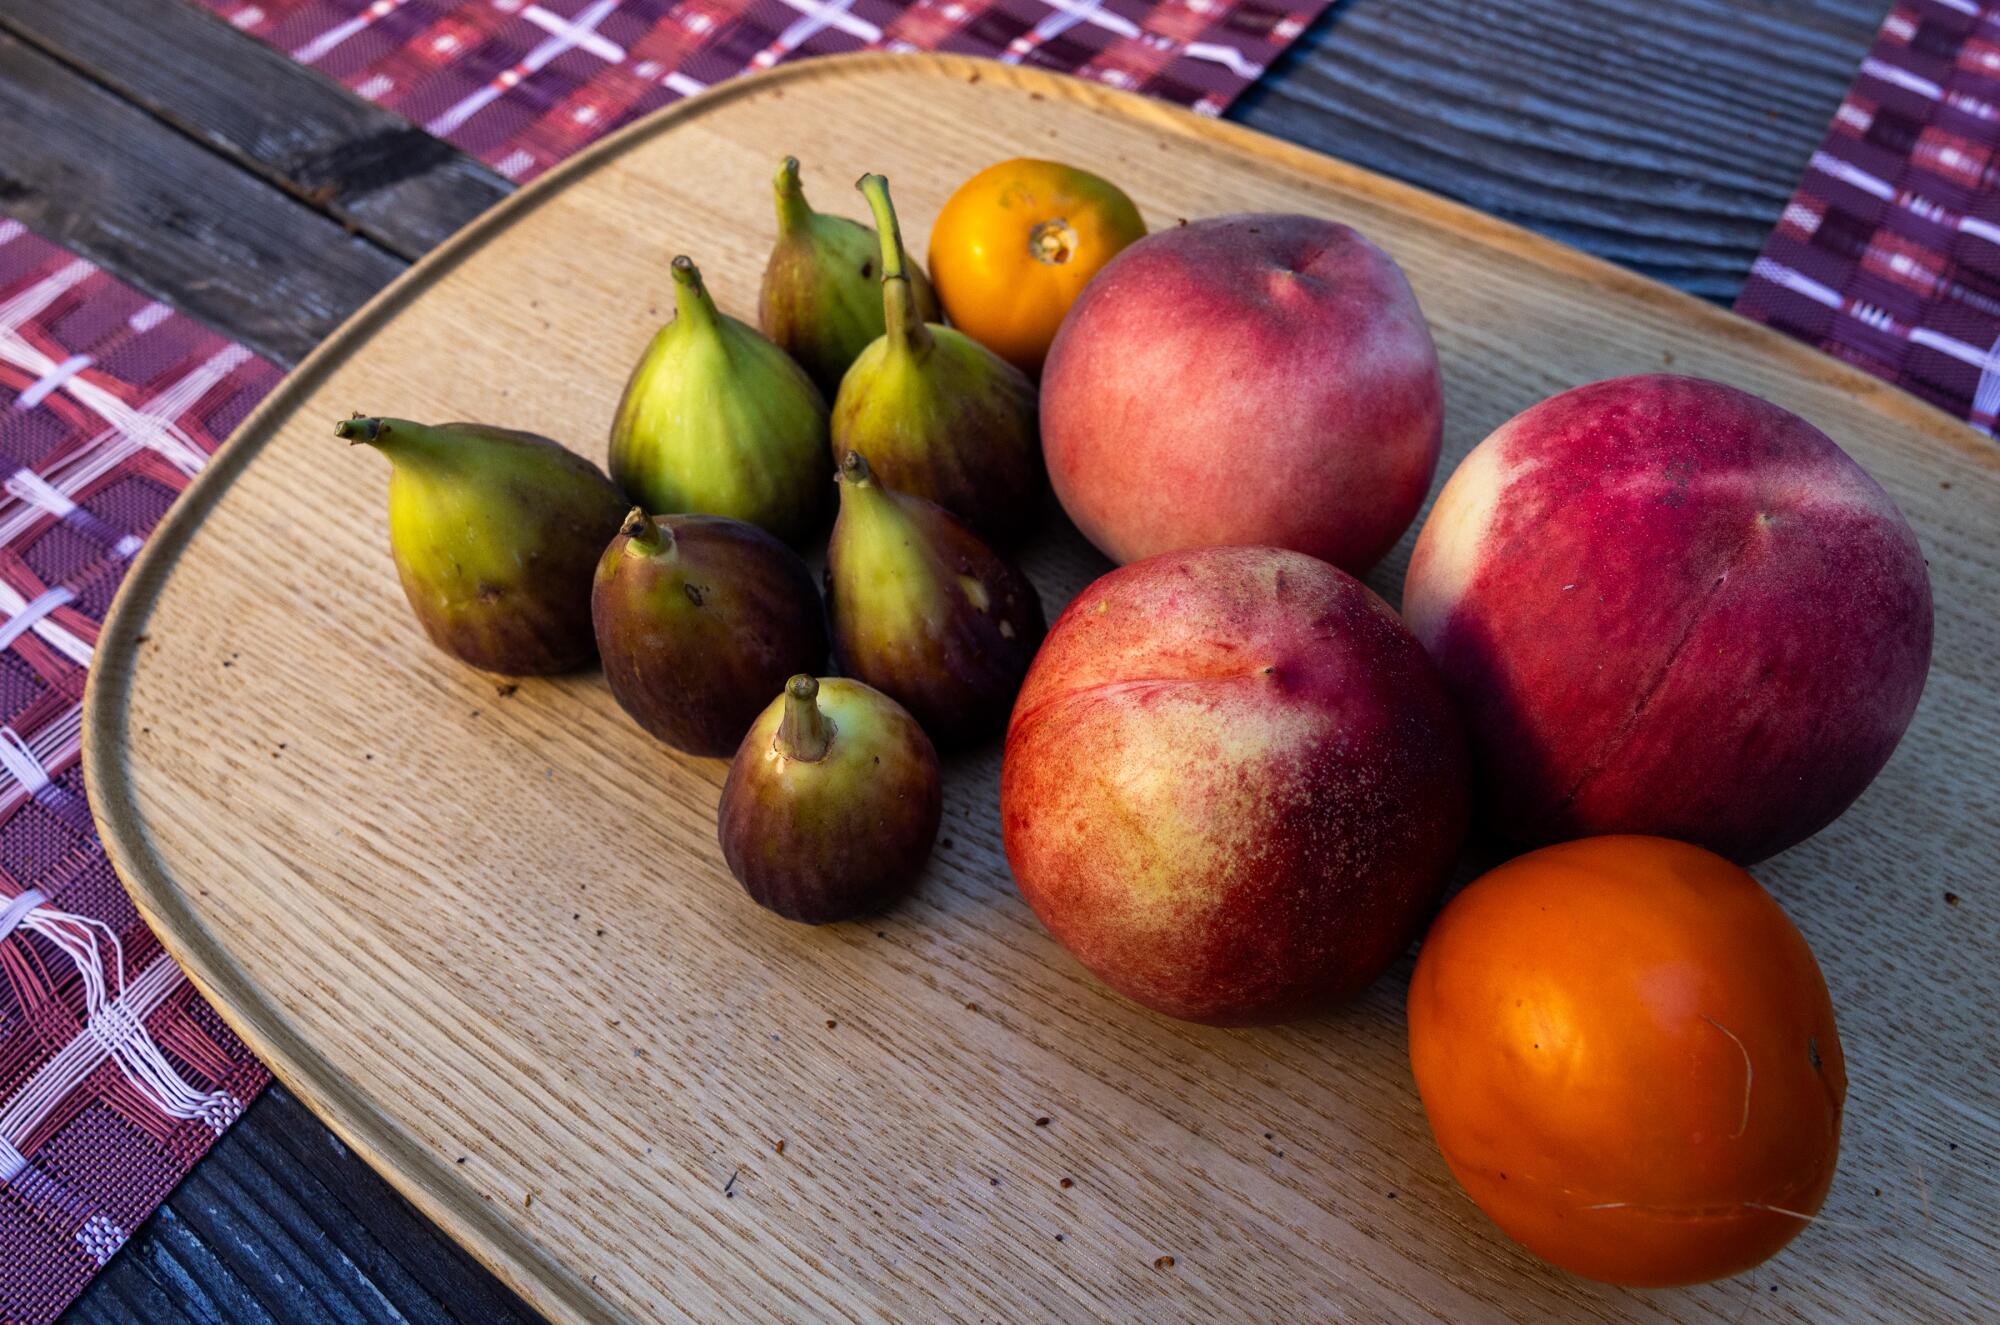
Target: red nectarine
(1667, 606)
(1285, 350)
(1234, 784)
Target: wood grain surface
(1664, 136)
(1637, 107)
(218, 243)
(402, 912)
(363, 166)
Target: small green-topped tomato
(1016, 245)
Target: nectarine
(1667, 606)
(1234, 784)
(1285, 349)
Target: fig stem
(804, 732)
(691, 301)
(899, 299)
(359, 431)
(645, 534)
(401, 440)
(794, 212)
(854, 469)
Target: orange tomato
(1016, 245)
(1628, 1058)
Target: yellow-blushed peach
(1234, 785)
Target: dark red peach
(1667, 606)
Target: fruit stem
(691, 301)
(804, 733)
(899, 299)
(794, 212)
(359, 431)
(644, 534)
(854, 469)
(404, 442)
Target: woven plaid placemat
(1888, 256)
(521, 84)
(114, 1075)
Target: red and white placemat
(114, 1075)
(521, 84)
(1888, 256)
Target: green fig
(720, 421)
(822, 299)
(495, 534)
(937, 413)
(924, 611)
(699, 618)
(832, 802)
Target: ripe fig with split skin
(924, 611)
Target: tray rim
(343, 1105)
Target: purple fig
(924, 611)
(494, 533)
(937, 413)
(832, 803)
(699, 618)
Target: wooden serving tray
(488, 936)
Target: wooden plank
(283, 1222)
(399, 935)
(96, 173)
(424, 1274)
(280, 1251)
(366, 167)
(125, 1294)
(1665, 137)
(175, 1263)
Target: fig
(699, 618)
(495, 534)
(938, 414)
(821, 300)
(832, 802)
(717, 420)
(924, 611)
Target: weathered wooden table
(216, 175)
